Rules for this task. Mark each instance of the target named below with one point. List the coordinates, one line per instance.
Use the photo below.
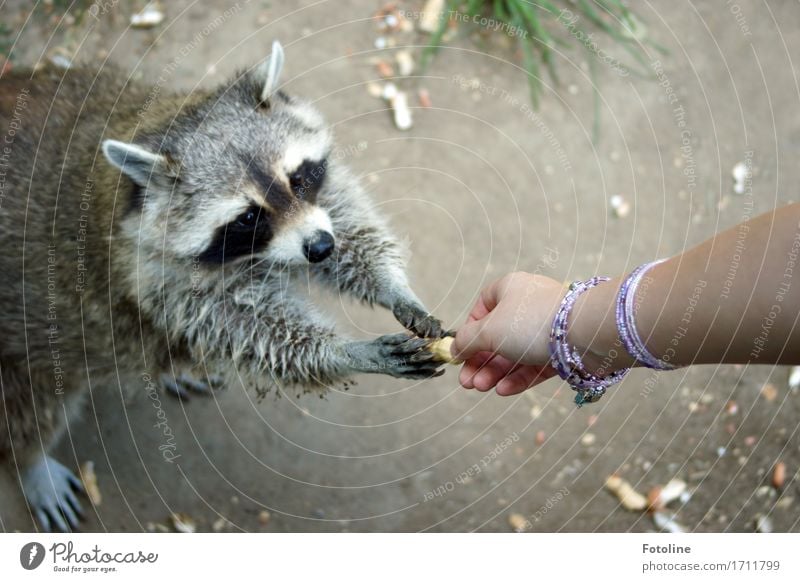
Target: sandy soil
(480, 186)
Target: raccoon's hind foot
(186, 384)
(50, 490)
(416, 319)
(398, 355)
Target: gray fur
(104, 284)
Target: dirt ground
(480, 186)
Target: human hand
(504, 342)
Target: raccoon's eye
(247, 219)
(297, 181)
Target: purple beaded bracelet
(567, 361)
(626, 322)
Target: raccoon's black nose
(319, 247)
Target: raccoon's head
(232, 176)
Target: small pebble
(540, 437)
(721, 451)
(769, 392)
(779, 475)
(424, 98)
(264, 516)
(182, 523)
(405, 63)
(384, 69)
(518, 522)
(588, 439)
(731, 407)
(763, 524)
(794, 378)
(150, 16)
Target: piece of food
(630, 499)
(441, 349)
(89, 479)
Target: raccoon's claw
(183, 385)
(50, 490)
(398, 355)
(415, 319)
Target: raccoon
(147, 234)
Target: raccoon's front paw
(398, 355)
(50, 490)
(185, 384)
(417, 320)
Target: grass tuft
(541, 25)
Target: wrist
(593, 330)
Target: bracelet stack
(567, 361)
(626, 324)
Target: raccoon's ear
(269, 72)
(137, 163)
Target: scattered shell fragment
(391, 21)
(536, 411)
(750, 440)
(375, 89)
(405, 63)
(765, 491)
(61, 61)
(264, 516)
(431, 14)
(660, 497)
(182, 523)
(150, 16)
(540, 437)
(385, 70)
(763, 524)
(667, 523)
(220, 524)
(721, 451)
(619, 206)
(779, 475)
(402, 112)
(630, 499)
(741, 174)
(441, 350)
(89, 479)
(731, 407)
(424, 98)
(794, 378)
(769, 392)
(588, 439)
(380, 42)
(518, 522)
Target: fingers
(492, 372)
(522, 378)
(471, 366)
(488, 299)
(472, 338)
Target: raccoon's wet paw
(50, 490)
(415, 319)
(186, 384)
(398, 355)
